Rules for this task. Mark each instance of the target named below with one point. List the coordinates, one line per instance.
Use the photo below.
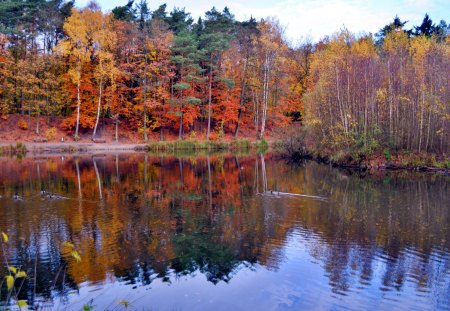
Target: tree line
(158, 71)
(151, 70)
(390, 91)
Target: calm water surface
(214, 233)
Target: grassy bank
(387, 160)
(377, 158)
(238, 145)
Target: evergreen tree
(179, 20)
(185, 57)
(396, 25)
(160, 12)
(427, 27)
(125, 13)
(213, 41)
(442, 31)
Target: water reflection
(160, 223)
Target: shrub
(193, 135)
(418, 162)
(278, 145)
(23, 125)
(387, 154)
(216, 145)
(185, 145)
(220, 131)
(240, 144)
(213, 136)
(339, 156)
(262, 145)
(50, 134)
(295, 144)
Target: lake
(222, 232)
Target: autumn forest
(163, 74)
(152, 159)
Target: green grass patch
(387, 154)
(189, 145)
(262, 145)
(240, 144)
(195, 146)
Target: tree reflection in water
(137, 218)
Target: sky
(312, 18)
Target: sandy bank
(74, 147)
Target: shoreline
(71, 147)
(74, 148)
(369, 166)
(171, 147)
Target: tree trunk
(29, 117)
(209, 101)
(78, 110)
(421, 119)
(47, 105)
(265, 97)
(180, 132)
(37, 115)
(241, 98)
(366, 107)
(37, 123)
(390, 103)
(256, 110)
(428, 131)
(98, 108)
(22, 99)
(145, 100)
(161, 130)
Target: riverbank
(302, 145)
(376, 162)
(72, 147)
(423, 162)
(7, 148)
(195, 145)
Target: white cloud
(316, 18)
(319, 18)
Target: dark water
(207, 233)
